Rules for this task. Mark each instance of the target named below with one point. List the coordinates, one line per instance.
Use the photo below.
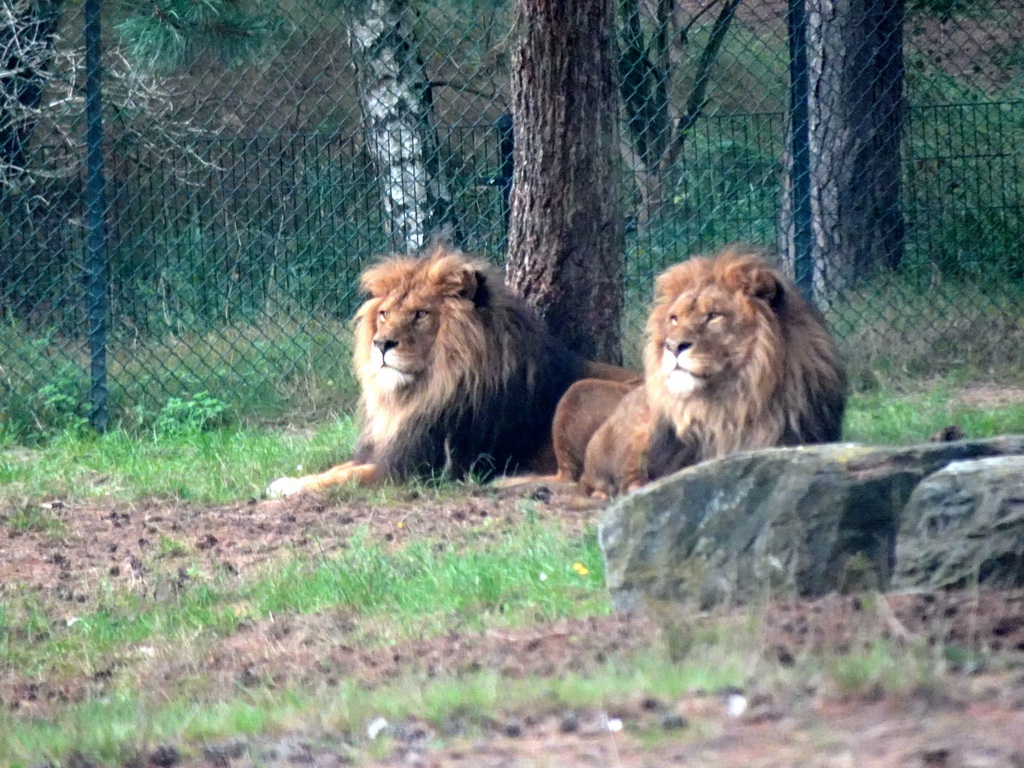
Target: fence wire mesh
(253, 149)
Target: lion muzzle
(676, 364)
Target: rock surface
(808, 520)
(963, 525)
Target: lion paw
(285, 486)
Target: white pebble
(377, 725)
(736, 705)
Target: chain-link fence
(251, 164)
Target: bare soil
(972, 714)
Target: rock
(806, 521)
(164, 756)
(964, 525)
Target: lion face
(701, 333)
(405, 332)
(420, 329)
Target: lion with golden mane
(457, 376)
(735, 359)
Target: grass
(117, 730)
(214, 466)
(218, 466)
(522, 574)
(526, 577)
(418, 590)
(895, 418)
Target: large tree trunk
(565, 233)
(397, 106)
(856, 106)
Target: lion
(458, 376)
(580, 413)
(615, 460)
(735, 359)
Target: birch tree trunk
(397, 109)
(565, 232)
(856, 109)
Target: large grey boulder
(806, 520)
(964, 525)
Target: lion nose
(677, 347)
(384, 345)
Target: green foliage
(166, 35)
(41, 393)
(273, 367)
(199, 413)
(527, 576)
(879, 669)
(35, 517)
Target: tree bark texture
(565, 232)
(856, 109)
(397, 107)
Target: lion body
(616, 455)
(458, 376)
(735, 359)
(580, 413)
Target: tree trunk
(856, 108)
(565, 233)
(397, 106)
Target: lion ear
(456, 279)
(762, 282)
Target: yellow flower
(580, 568)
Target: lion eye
(382, 315)
(673, 319)
(419, 314)
(713, 316)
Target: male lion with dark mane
(735, 359)
(457, 374)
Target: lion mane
(458, 376)
(735, 359)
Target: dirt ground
(971, 716)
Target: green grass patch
(222, 465)
(202, 466)
(532, 574)
(893, 418)
(127, 725)
(114, 731)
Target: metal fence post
(96, 264)
(800, 148)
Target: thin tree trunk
(565, 233)
(698, 98)
(397, 106)
(856, 111)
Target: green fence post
(96, 265)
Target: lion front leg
(350, 471)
